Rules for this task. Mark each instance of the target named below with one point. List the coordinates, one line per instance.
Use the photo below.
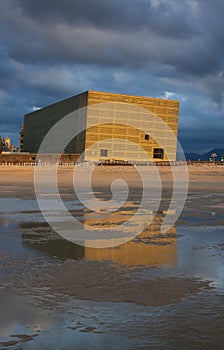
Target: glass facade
(130, 128)
(117, 127)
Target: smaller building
(8, 142)
(5, 144)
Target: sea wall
(30, 158)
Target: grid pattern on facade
(38, 123)
(126, 131)
(121, 140)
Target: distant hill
(205, 156)
(192, 156)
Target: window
(104, 153)
(146, 137)
(158, 153)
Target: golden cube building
(116, 127)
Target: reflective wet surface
(159, 290)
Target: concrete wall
(19, 158)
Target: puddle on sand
(49, 321)
(80, 324)
(76, 325)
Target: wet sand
(82, 288)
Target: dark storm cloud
(50, 50)
(133, 33)
(97, 31)
(126, 15)
(112, 33)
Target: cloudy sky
(53, 49)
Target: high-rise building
(21, 136)
(116, 126)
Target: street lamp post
(213, 156)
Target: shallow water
(34, 316)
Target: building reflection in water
(141, 251)
(150, 248)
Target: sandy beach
(207, 177)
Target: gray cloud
(51, 50)
(168, 17)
